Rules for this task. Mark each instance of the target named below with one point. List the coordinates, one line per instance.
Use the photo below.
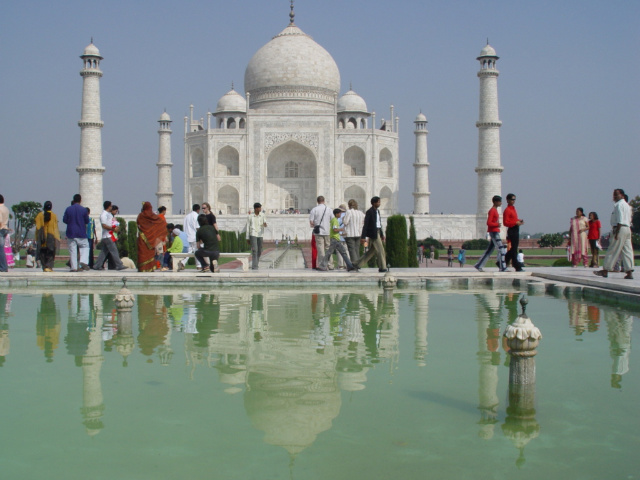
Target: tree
(551, 240)
(396, 239)
(413, 245)
(24, 214)
(634, 203)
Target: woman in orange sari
(152, 231)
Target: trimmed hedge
(132, 241)
(397, 241)
(412, 247)
(477, 244)
(427, 242)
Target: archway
(197, 163)
(229, 200)
(385, 167)
(354, 162)
(228, 162)
(386, 200)
(359, 195)
(291, 172)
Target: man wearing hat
(256, 222)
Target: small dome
(165, 117)
(488, 51)
(91, 50)
(232, 101)
(421, 117)
(351, 102)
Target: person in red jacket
(512, 222)
(493, 227)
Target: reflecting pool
(333, 384)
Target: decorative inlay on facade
(272, 140)
(221, 145)
(293, 93)
(346, 146)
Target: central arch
(291, 173)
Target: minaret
(90, 168)
(164, 164)
(489, 169)
(421, 166)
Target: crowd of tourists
(341, 230)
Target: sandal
(601, 273)
(628, 276)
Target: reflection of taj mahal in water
(292, 137)
(291, 359)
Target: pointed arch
(197, 163)
(354, 162)
(284, 162)
(229, 200)
(385, 165)
(228, 162)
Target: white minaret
(489, 169)
(90, 168)
(164, 164)
(421, 166)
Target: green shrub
(427, 242)
(397, 241)
(412, 247)
(561, 262)
(123, 240)
(477, 244)
(132, 241)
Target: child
(334, 235)
(520, 258)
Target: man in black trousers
(372, 230)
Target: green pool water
(335, 383)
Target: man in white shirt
(621, 241)
(4, 230)
(353, 222)
(107, 246)
(190, 227)
(256, 222)
(320, 217)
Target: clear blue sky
(569, 90)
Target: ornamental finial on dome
(291, 14)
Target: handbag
(316, 229)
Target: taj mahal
(292, 137)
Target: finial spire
(487, 40)
(291, 14)
(232, 85)
(350, 86)
(91, 39)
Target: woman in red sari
(152, 231)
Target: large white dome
(291, 69)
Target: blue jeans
(494, 243)
(3, 258)
(76, 244)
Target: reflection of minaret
(92, 401)
(619, 333)
(488, 359)
(489, 169)
(422, 319)
(90, 169)
(5, 312)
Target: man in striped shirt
(353, 220)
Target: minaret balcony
(489, 124)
